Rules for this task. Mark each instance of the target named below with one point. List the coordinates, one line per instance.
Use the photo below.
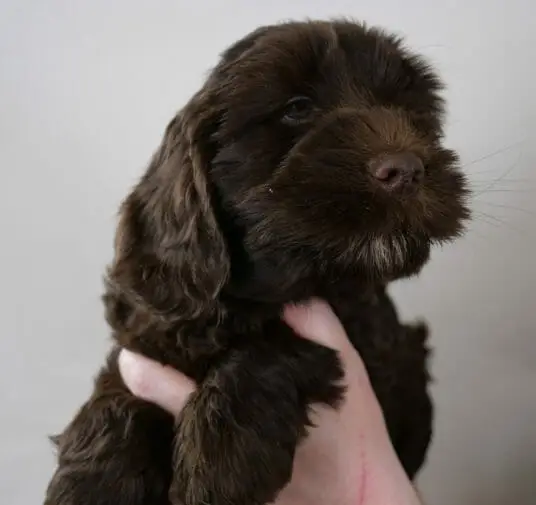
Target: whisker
(500, 178)
(496, 222)
(494, 153)
(488, 218)
(471, 230)
(504, 181)
(506, 190)
(510, 207)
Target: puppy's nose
(398, 172)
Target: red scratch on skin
(363, 476)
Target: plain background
(86, 90)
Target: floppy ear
(170, 256)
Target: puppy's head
(312, 148)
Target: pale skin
(347, 458)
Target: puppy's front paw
(225, 453)
(237, 436)
(116, 451)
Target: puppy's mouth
(389, 236)
(407, 220)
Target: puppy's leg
(413, 431)
(237, 436)
(116, 451)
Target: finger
(154, 382)
(315, 320)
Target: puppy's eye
(297, 110)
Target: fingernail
(126, 360)
(133, 369)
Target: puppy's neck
(260, 285)
(255, 298)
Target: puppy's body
(310, 164)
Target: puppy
(309, 164)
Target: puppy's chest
(373, 327)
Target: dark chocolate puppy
(310, 164)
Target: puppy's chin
(390, 257)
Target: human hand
(347, 458)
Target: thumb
(155, 383)
(316, 321)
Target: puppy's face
(313, 151)
(330, 149)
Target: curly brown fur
(252, 202)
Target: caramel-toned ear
(170, 256)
